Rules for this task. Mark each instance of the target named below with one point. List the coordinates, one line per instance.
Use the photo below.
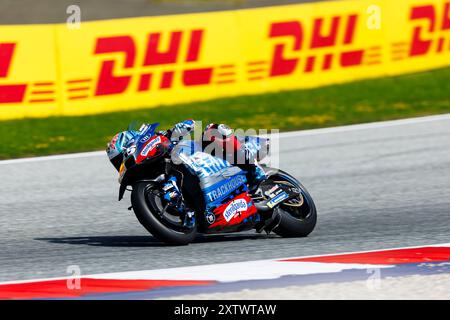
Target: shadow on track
(145, 241)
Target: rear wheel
(162, 221)
(298, 215)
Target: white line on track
(225, 267)
(364, 126)
(312, 132)
(56, 157)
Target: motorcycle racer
(225, 144)
(116, 147)
(181, 187)
(217, 139)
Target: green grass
(365, 101)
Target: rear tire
(147, 211)
(292, 225)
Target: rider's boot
(255, 175)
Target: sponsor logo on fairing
(206, 165)
(234, 208)
(226, 188)
(279, 198)
(211, 217)
(152, 144)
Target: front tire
(147, 211)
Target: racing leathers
(116, 147)
(217, 139)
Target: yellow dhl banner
(133, 63)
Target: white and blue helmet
(115, 147)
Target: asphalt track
(376, 186)
(54, 11)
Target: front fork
(174, 197)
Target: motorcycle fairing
(224, 188)
(238, 211)
(136, 140)
(151, 147)
(226, 198)
(146, 132)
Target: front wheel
(298, 216)
(162, 222)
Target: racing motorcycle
(178, 190)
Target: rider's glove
(250, 152)
(182, 129)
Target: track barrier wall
(124, 64)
